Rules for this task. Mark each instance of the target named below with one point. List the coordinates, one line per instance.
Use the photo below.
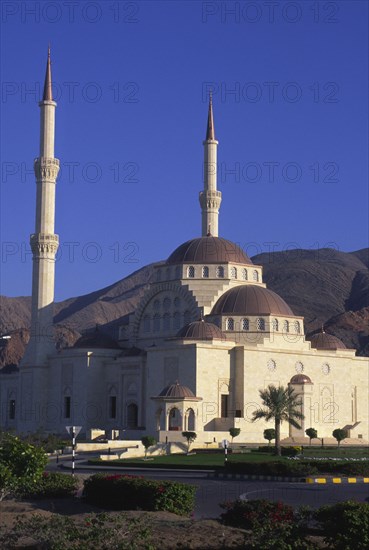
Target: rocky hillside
(325, 286)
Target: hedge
(51, 485)
(123, 492)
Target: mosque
(205, 337)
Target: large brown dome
(251, 300)
(208, 250)
(322, 340)
(200, 330)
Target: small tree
(148, 441)
(311, 433)
(339, 434)
(190, 436)
(281, 405)
(269, 434)
(21, 464)
(234, 432)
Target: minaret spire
(210, 131)
(210, 197)
(44, 245)
(48, 94)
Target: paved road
(211, 492)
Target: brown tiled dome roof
(177, 390)
(201, 330)
(322, 340)
(208, 250)
(251, 300)
(300, 379)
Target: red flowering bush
(273, 525)
(121, 492)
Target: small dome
(300, 379)
(322, 340)
(201, 330)
(178, 391)
(96, 339)
(209, 250)
(251, 300)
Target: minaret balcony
(46, 168)
(210, 199)
(44, 243)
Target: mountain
(325, 286)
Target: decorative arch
(175, 419)
(171, 286)
(190, 420)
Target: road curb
(337, 480)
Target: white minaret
(210, 198)
(44, 244)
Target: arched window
(191, 271)
(156, 322)
(230, 324)
(177, 301)
(233, 273)
(260, 324)
(245, 324)
(286, 326)
(220, 272)
(255, 275)
(156, 305)
(244, 274)
(166, 321)
(166, 304)
(296, 327)
(146, 323)
(132, 415)
(205, 272)
(275, 325)
(176, 320)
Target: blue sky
(290, 89)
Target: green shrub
(345, 525)
(278, 468)
(340, 467)
(51, 485)
(21, 464)
(291, 451)
(122, 492)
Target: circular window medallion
(299, 367)
(326, 369)
(271, 364)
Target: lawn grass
(216, 460)
(198, 460)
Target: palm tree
(281, 404)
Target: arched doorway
(175, 419)
(190, 420)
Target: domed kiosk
(176, 408)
